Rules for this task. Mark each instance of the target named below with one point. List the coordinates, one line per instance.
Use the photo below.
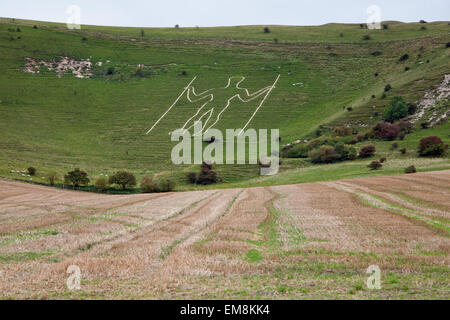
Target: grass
(99, 124)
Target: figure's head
(235, 81)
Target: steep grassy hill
(98, 123)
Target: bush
(342, 131)
(386, 131)
(300, 150)
(266, 30)
(76, 178)
(344, 152)
(385, 26)
(31, 171)
(110, 71)
(206, 176)
(387, 88)
(431, 147)
(410, 169)
(396, 110)
(51, 178)
(405, 127)
(314, 143)
(366, 37)
(404, 57)
(375, 165)
(324, 154)
(149, 186)
(412, 108)
(124, 179)
(192, 177)
(101, 184)
(394, 145)
(403, 151)
(350, 109)
(425, 125)
(383, 160)
(367, 151)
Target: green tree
(396, 110)
(124, 179)
(76, 178)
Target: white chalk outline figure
(189, 90)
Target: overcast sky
(190, 13)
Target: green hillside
(98, 123)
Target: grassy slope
(99, 124)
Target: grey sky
(190, 13)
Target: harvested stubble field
(313, 240)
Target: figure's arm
(251, 96)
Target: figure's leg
(204, 119)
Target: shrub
(31, 171)
(366, 37)
(423, 28)
(344, 152)
(383, 160)
(342, 131)
(350, 109)
(422, 21)
(367, 151)
(166, 186)
(431, 147)
(101, 184)
(148, 185)
(387, 88)
(385, 26)
(447, 45)
(375, 165)
(396, 110)
(405, 126)
(192, 177)
(207, 177)
(361, 137)
(110, 71)
(76, 178)
(386, 131)
(404, 57)
(266, 30)
(403, 151)
(51, 178)
(314, 143)
(376, 53)
(394, 145)
(407, 68)
(324, 154)
(300, 150)
(124, 179)
(412, 108)
(425, 125)
(410, 169)
(35, 27)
